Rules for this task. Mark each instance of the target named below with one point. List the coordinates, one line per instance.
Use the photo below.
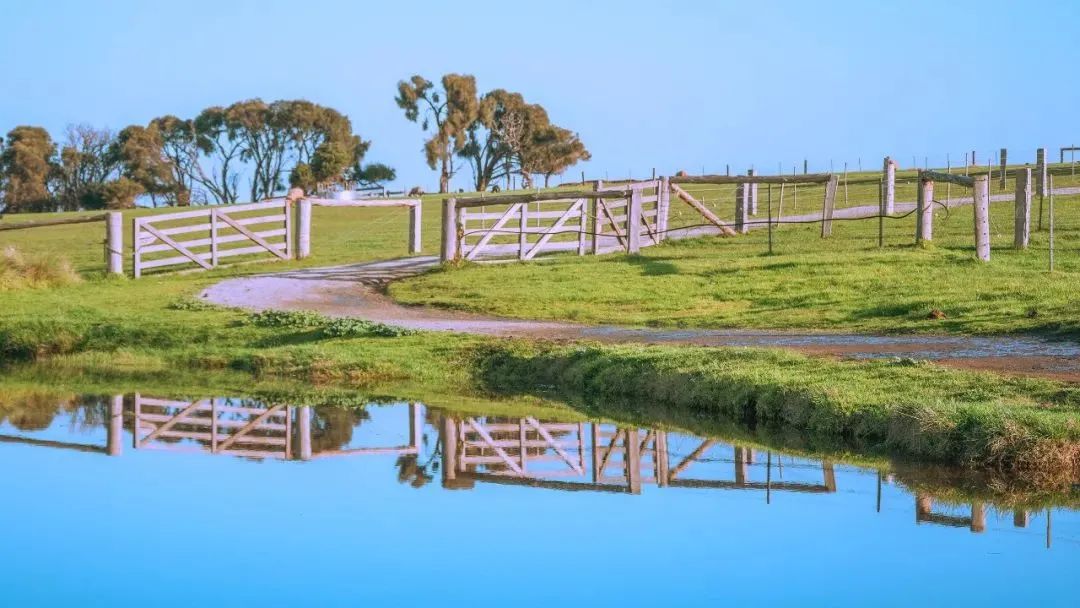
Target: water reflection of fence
(244, 428)
(592, 456)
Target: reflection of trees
(36, 411)
(415, 473)
(332, 427)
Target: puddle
(154, 498)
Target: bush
(18, 271)
(189, 303)
(287, 318)
(356, 328)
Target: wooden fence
(212, 234)
(625, 217)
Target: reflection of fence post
(116, 425)
(923, 506)
(982, 217)
(829, 206)
(303, 229)
(448, 428)
(1004, 164)
(924, 215)
(303, 428)
(663, 207)
(633, 222)
(415, 217)
(1022, 226)
(890, 185)
(114, 242)
(828, 474)
(416, 427)
(978, 517)
(633, 461)
(741, 209)
(740, 466)
(448, 252)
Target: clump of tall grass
(20, 271)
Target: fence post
(303, 229)
(136, 254)
(583, 225)
(982, 217)
(663, 207)
(597, 225)
(633, 222)
(114, 242)
(890, 185)
(829, 206)
(1040, 180)
(1022, 226)
(214, 234)
(523, 231)
(753, 193)
(1004, 163)
(448, 251)
(303, 428)
(741, 208)
(416, 214)
(924, 215)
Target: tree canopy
(498, 135)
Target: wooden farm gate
(212, 234)
(602, 220)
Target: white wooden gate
(213, 234)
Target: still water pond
(152, 500)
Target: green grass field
(845, 282)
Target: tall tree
(86, 163)
(26, 165)
(140, 152)
(449, 114)
(551, 150)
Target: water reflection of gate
(244, 428)
(593, 456)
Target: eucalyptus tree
(26, 166)
(447, 113)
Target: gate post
(448, 252)
(416, 214)
(663, 205)
(924, 215)
(114, 242)
(1022, 225)
(741, 209)
(303, 229)
(982, 217)
(633, 222)
(829, 206)
(890, 185)
(753, 193)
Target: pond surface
(158, 500)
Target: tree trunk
(547, 178)
(444, 178)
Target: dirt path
(354, 290)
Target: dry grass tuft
(19, 271)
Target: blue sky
(684, 85)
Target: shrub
(188, 303)
(287, 318)
(355, 328)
